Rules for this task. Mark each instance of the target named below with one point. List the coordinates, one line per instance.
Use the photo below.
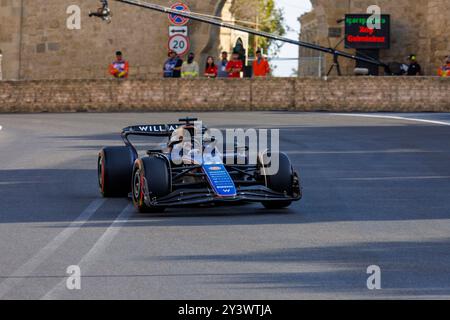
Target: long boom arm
(219, 23)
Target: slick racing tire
(115, 167)
(152, 175)
(281, 182)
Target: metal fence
(312, 66)
(308, 66)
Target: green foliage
(266, 17)
(271, 20)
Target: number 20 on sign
(179, 43)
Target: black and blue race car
(163, 178)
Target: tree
(264, 16)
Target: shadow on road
(407, 268)
(61, 195)
(392, 173)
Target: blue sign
(220, 180)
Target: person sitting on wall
(414, 68)
(261, 66)
(444, 71)
(235, 66)
(119, 68)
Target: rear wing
(151, 130)
(148, 130)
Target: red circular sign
(178, 20)
(179, 43)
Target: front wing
(186, 197)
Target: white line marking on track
(28, 267)
(442, 123)
(98, 248)
(361, 151)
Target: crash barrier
(344, 94)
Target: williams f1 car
(164, 178)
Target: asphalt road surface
(376, 192)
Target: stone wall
(10, 18)
(418, 27)
(37, 44)
(345, 94)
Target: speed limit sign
(179, 43)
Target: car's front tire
(115, 167)
(151, 175)
(281, 182)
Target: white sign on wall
(174, 30)
(179, 43)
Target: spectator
(211, 68)
(172, 66)
(444, 71)
(177, 69)
(414, 68)
(222, 68)
(190, 68)
(261, 67)
(119, 68)
(235, 66)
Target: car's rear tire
(115, 167)
(281, 182)
(152, 173)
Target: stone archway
(214, 35)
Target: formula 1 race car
(168, 178)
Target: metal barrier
(312, 66)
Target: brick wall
(371, 94)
